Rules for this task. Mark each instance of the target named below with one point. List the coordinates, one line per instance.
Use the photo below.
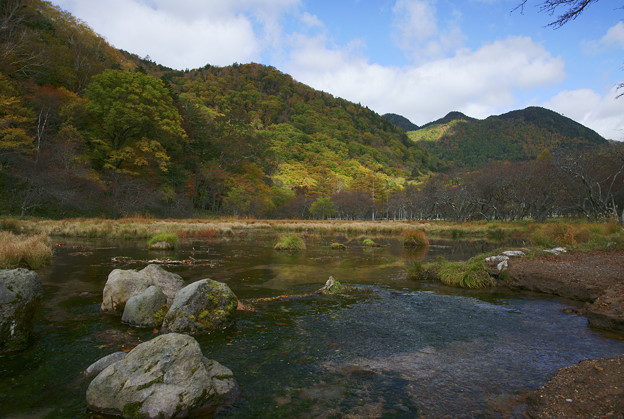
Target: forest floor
(592, 388)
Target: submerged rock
(122, 284)
(202, 306)
(166, 377)
(141, 309)
(21, 293)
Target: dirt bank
(593, 388)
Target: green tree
(322, 208)
(134, 122)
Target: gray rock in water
(101, 364)
(21, 293)
(140, 309)
(123, 284)
(166, 377)
(202, 306)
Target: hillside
(88, 129)
(515, 136)
(401, 122)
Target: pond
(401, 349)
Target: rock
(499, 261)
(202, 306)
(100, 365)
(125, 283)
(140, 309)
(556, 250)
(166, 377)
(514, 253)
(607, 311)
(21, 293)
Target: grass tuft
(291, 242)
(170, 238)
(370, 243)
(338, 246)
(32, 251)
(415, 239)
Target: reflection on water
(400, 350)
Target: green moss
(133, 410)
(159, 316)
(338, 246)
(192, 318)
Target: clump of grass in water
(369, 243)
(338, 246)
(415, 239)
(20, 250)
(469, 274)
(291, 242)
(170, 238)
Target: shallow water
(402, 349)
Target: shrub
(292, 242)
(415, 239)
(20, 250)
(170, 238)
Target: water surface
(400, 349)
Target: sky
(416, 58)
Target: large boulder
(166, 377)
(21, 293)
(201, 307)
(125, 283)
(101, 364)
(141, 309)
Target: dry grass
(30, 251)
(414, 239)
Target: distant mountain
(401, 122)
(515, 136)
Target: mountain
(87, 129)
(514, 136)
(401, 122)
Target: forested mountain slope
(88, 129)
(515, 136)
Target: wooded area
(87, 130)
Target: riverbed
(398, 348)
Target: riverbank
(594, 387)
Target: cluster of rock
(167, 376)
(153, 297)
(21, 294)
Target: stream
(399, 349)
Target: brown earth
(593, 388)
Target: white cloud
(602, 113)
(416, 30)
(614, 38)
(311, 21)
(479, 83)
(187, 33)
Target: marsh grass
(579, 236)
(30, 251)
(414, 239)
(338, 246)
(170, 238)
(370, 243)
(291, 242)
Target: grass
(415, 239)
(30, 251)
(170, 238)
(470, 274)
(579, 236)
(291, 242)
(369, 243)
(338, 246)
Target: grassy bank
(27, 251)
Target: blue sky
(418, 58)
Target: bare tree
(573, 9)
